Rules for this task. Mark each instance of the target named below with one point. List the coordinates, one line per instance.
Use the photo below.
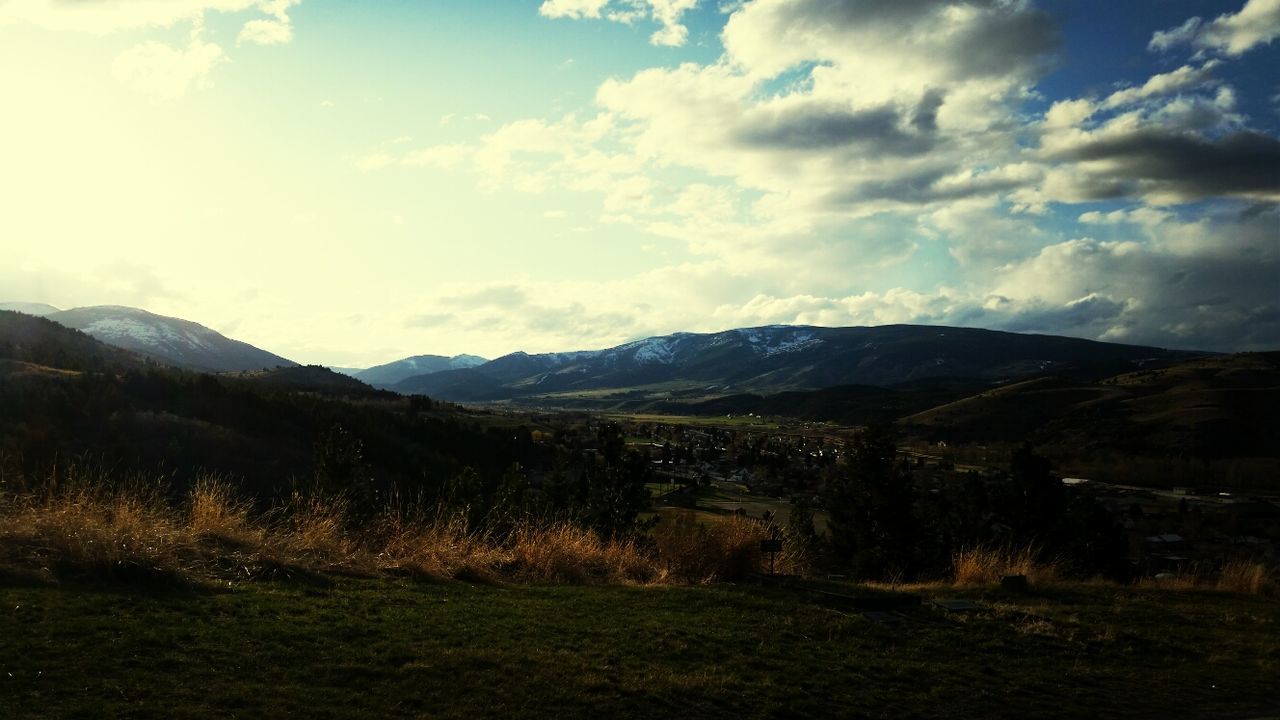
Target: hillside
(178, 342)
(394, 372)
(329, 648)
(311, 378)
(39, 341)
(264, 428)
(29, 308)
(779, 358)
(1208, 407)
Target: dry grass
(1242, 576)
(986, 565)
(1238, 576)
(315, 531)
(134, 533)
(123, 533)
(564, 553)
(214, 511)
(434, 543)
(725, 550)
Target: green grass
(382, 648)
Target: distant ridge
(393, 372)
(178, 342)
(779, 358)
(39, 309)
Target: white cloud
(1163, 40)
(575, 9)
(667, 13)
(164, 72)
(103, 17)
(266, 32)
(1185, 77)
(1257, 23)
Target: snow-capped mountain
(777, 357)
(393, 372)
(29, 308)
(171, 340)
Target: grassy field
(400, 648)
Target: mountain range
(691, 366)
(393, 372)
(1086, 404)
(682, 367)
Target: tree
(616, 495)
(339, 468)
(1035, 501)
(800, 522)
(870, 504)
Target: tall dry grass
(134, 532)
(1244, 576)
(1248, 577)
(565, 553)
(96, 532)
(724, 549)
(436, 543)
(985, 565)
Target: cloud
(164, 72)
(576, 9)
(871, 162)
(667, 13)
(1183, 78)
(1163, 40)
(1257, 23)
(429, 320)
(103, 17)
(266, 32)
(1167, 167)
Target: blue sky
(349, 183)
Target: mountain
(463, 384)
(29, 308)
(781, 358)
(27, 340)
(69, 399)
(393, 372)
(179, 342)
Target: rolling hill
(178, 342)
(1221, 406)
(29, 308)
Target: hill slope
(393, 372)
(1219, 406)
(29, 308)
(35, 340)
(182, 343)
(777, 358)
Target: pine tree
(871, 507)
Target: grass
(114, 603)
(130, 533)
(398, 648)
(986, 565)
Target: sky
(348, 183)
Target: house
(1165, 544)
